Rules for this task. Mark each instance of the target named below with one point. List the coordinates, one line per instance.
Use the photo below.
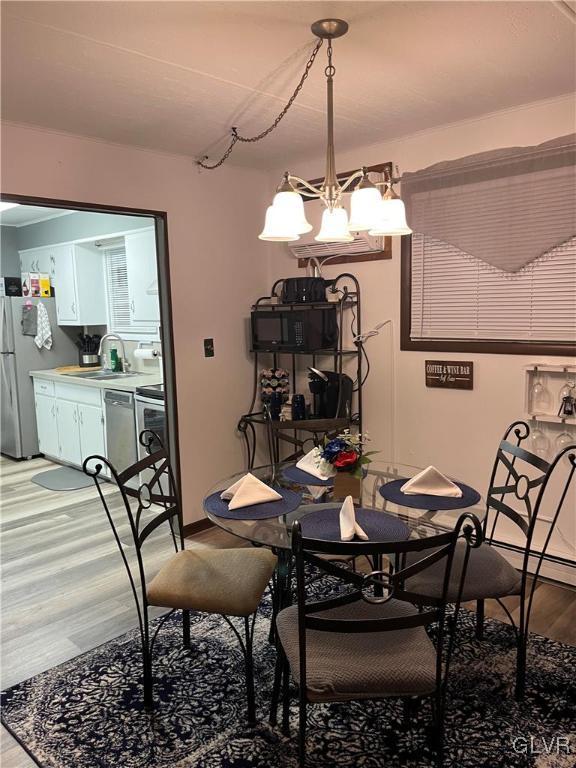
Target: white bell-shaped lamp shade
(392, 219)
(365, 207)
(334, 227)
(276, 229)
(292, 207)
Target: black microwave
(302, 329)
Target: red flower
(345, 459)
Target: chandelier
(378, 213)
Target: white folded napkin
(313, 463)
(432, 482)
(247, 491)
(348, 525)
(316, 491)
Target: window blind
(118, 298)
(458, 296)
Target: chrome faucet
(123, 360)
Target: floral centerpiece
(345, 454)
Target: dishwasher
(120, 429)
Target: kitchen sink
(105, 375)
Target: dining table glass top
(276, 531)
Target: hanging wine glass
(563, 440)
(567, 390)
(540, 397)
(540, 443)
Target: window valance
(506, 207)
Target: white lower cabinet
(68, 432)
(92, 437)
(47, 424)
(70, 421)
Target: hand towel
(29, 320)
(44, 336)
(314, 464)
(431, 482)
(348, 525)
(247, 491)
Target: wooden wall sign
(450, 374)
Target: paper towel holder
(146, 346)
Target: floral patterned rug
(88, 712)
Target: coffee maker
(332, 393)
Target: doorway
(64, 588)
(100, 229)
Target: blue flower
(332, 449)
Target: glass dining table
(275, 532)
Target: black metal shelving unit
(296, 433)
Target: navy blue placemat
(288, 503)
(391, 491)
(296, 475)
(380, 526)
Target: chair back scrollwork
(148, 499)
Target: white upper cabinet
(114, 283)
(65, 286)
(79, 286)
(42, 260)
(142, 276)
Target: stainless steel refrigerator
(18, 356)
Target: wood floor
(64, 589)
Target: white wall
(458, 431)
(215, 271)
(10, 260)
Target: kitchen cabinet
(42, 260)
(92, 437)
(65, 284)
(142, 275)
(80, 286)
(68, 432)
(46, 424)
(70, 421)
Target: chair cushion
(228, 581)
(363, 665)
(488, 575)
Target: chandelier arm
(356, 175)
(250, 139)
(313, 191)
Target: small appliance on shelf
(294, 329)
(332, 393)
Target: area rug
(62, 479)
(88, 712)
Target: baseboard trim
(197, 527)
(555, 568)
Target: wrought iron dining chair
(521, 485)
(229, 582)
(369, 640)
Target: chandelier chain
(236, 137)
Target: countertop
(128, 384)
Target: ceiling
(174, 76)
(23, 215)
